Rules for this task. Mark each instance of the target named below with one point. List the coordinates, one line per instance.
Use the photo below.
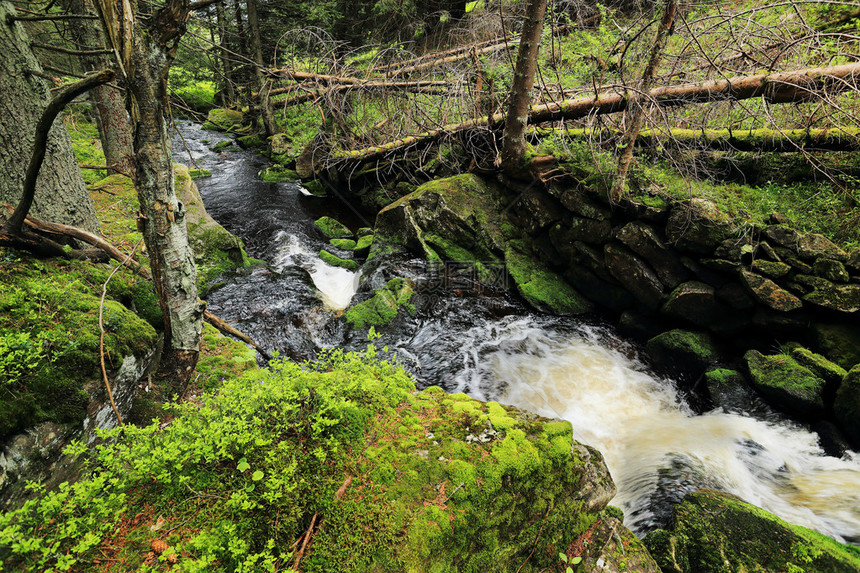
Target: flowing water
(656, 447)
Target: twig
(307, 537)
(102, 331)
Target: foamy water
(652, 442)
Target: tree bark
(61, 194)
(229, 94)
(265, 105)
(111, 116)
(635, 110)
(513, 140)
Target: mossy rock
(278, 174)
(343, 244)
(383, 306)
(314, 187)
(405, 481)
(224, 146)
(786, 384)
(715, 532)
(362, 246)
(220, 119)
(333, 229)
(49, 336)
(831, 373)
(253, 141)
(838, 342)
(542, 288)
(846, 407)
(682, 353)
(199, 173)
(336, 261)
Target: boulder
(782, 235)
(729, 389)
(841, 298)
(542, 288)
(768, 293)
(596, 289)
(578, 202)
(635, 275)
(770, 269)
(537, 210)
(853, 261)
(643, 240)
(846, 407)
(813, 246)
(332, 228)
(574, 229)
(280, 144)
(609, 547)
(735, 296)
(831, 270)
(696, 302)
(716, 532)
(839, 342)
(786, 384)
(682, 353)
(698, 227)
(831, 373)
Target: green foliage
(86, 145)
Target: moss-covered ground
(391, 481)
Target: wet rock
(846, 407)
(831, 373)
(831, 270)
(594, 288)
(780, 322)
(644, 241)
(544, 289)
(635, 275)
(729, 389)
(840, 343)
(735, 296)
(609, 547)
(831, 439)
(537, 210)
(651, 208)
(682, 353)
(782, 235)
(814, 246)
(787, 384)
(563, 235)
(332, 228)
(698, 227)
(770, 269)
(696, 302)
(853, 261)
(714, 532)
(638, 325)
(721, 265)
(597, 488)
(705, 274)
(594, 260)
(768, 293)
(841, 298)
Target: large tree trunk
(61, 194)
(111, 116)
(228, 93)
(265, 105)
(513, 140)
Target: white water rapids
(643, 428)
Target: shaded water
(656, 448)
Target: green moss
(332, 228)
(363, 243)
(224, 146)
(344, 244)
(200, 173)
(422, 485)
(220, 119)
(838, 342)
(542, 288)
(336, 261)
(716, 532)
(253, 141)
(278, 174)
(86, 145)
(314, 187)
(787, 384)
(50, 310)
(383, 306)
(222, 358)
(819, 365)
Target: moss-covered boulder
(224, 146)
(768, 293)
(542, 288)
(839, 342)
(786, 384)
(383, 478)
(278, 174)
(726, 387)
(696, 302)
(343, 244)
(336, 261)
(698, 226)
(682, 353)
(332, 228)
(252, 141)
(715, 532)
(383, 306)
(846, 407)
(199, 173)
(843, 298)
(220, 119)
(461, 211)
(831, 373)
(609, 547)
(834, 271)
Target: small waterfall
(654, 446)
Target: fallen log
(421, 86)
(776, 88)
(453, 58)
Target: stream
(492, 347)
